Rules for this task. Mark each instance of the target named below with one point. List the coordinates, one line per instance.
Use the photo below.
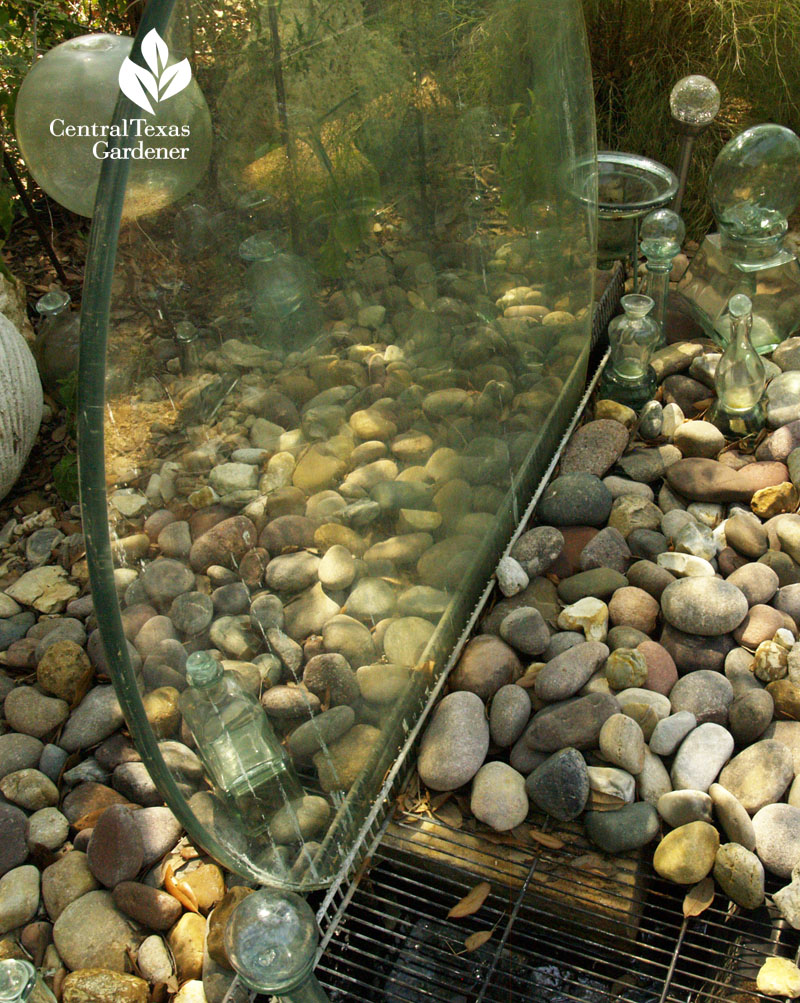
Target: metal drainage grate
(568, 924)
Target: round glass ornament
(63, 118)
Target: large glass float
(316, 392)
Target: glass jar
(754, 187)
(628, 376)
(388, 364)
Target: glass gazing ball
(695, 101)
(662, 233)
(74, 87)
(271, 938)
(754, 184)
(16, 979)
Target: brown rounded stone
(224, 544)
(88, 800)
(65, 671)
(207, 883)
(662, 674)
(786, 697)
(708, 480)
(759, 625)
(633, 607)
(115, 850)
(218, 921)
(149, 906)
(486, 664)
(64, 881)
(186, 942)
(99, 985)
(163, 713)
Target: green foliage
(65, 472)
(641, 48)
(517, 156)
(65, 478)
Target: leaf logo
(159, 81)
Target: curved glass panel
(315, 392)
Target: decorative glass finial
(239, 749)
(271, 940)
(694, 101)
(740, 378)
(662, 236)
(18, 980)
(628, 377)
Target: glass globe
(754, 184)
(65, 107)
(271, 938)
(662, 233)
(695, 101)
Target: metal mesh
(568, 924)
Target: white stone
(20, 404)
(671, 419)
(707, 513)
(779, 977)
(685, 565)
(154, 960)
(128, 502)
(511, 576)
(279, 473)
(589, 615)
(191, 992)
(46, 589)
(674, 521)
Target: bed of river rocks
(641, 670)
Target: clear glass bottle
(21, 983)
(662, 235)
(56, 348)
(740, 378)
(754, 187)
(628, 377)
(271, 940)
(241, 753)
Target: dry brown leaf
(471, 902)
(440, 799)
(699, 898)
(450, 815)
(476, 940)
(180, 890)
(545, 839)
(594, 864)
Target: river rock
(687, 854)
(759, 775)
(711, 481)
(706, 694)
(671, 731)
(509, 714)
(115, 851)
(740, 875)
(96, 985)
(622, 743)
(186, 940)
(703, 606)
(92, 933)
(574, 723)
(97, 716)
(565, 674)
(19, 897)
(700, 757)
(608, 550)
(537, 549)
(65, 671)
(757, 582)
(486, 664)
(498, 796)
(32, 713)
(733, 818)
(777, 829)
(560, 785)
(525, 630)
(455, 742)
(578, 499)
(149, 906)
(594, 447)
(630, 827)
(30, 789)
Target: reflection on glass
(385, 282)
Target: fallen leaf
(699, 898)
(180, 890)
(551, 842)
(450, 815)
(593, 864)
(476, 940)
(440, 799)
(471, 902)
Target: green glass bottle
(662, 235)
(740, 378)
(241, 753)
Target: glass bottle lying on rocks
(387, 282)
